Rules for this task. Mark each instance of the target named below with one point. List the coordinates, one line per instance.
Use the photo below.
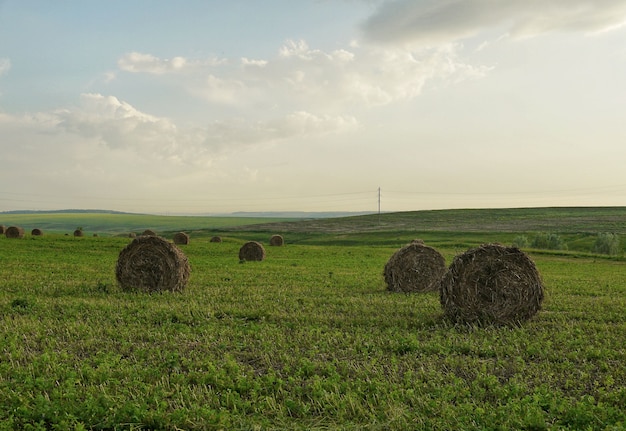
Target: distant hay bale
(149, 232)
(491, 284)
(3, 229)
(95, 235)
(132, 235)
(14, 232)
(277, 240)
(36, 232)
(78, 232)
(181, 238)
(252, 250)
(414, 268)
(215, 239)
(152, 264)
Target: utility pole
(378, 206)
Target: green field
(123, 223)
(309, 338)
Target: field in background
(308, 338)
(120, 224)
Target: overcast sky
(206, 106)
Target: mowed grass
(307, 339)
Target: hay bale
(277, 240)
(36, 232)
(491, 284)
(215, 239)
(149, 232)
(252, 250)
(14, 232)
(3, 229)
(414, 268)
(78, 232)
(181, 238)
(132, 235)
(152, 264)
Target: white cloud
(137, 62)
(301, 78)
(432, 22)
(5, 65)
(116, 126)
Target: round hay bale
(36, 232)
(414, 268)
(95, 235)
(78, 232)
(252, 250)
(3, 229)
(181, 238)
(152, 264)
(149, 232)
(215, 239)
(14, 232)
(277, 240)
(132, 235)
(491, 284)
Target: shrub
(607, 243)
(548, 241)
(520, 241)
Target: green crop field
(309, 338)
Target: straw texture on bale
(149, 232)
(152, 264)
(14, 232)
(491, 284)
(181, 238)
(252, 250)
(36, 232)
(215, 239)
(414, 268)
(277, 240)
(78, 232)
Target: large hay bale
(414, 268)
(215, 239)
(149, 232)
(491, 284)
(79, 232)
(14, 232)
(181, 238)
(252, 250)
(152, 264)
(36, 232)
(277, 240)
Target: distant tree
(607, 243)
(548, 241)
(520, 241)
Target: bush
(520, 241)
(548, 241)
(607, 243)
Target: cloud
(301, 78)
(432, 22)
(108, 144)
(5, 65)
(137, 62)
(115, 126)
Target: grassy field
(307, 339)
(119, 224)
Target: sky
(208, 107)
